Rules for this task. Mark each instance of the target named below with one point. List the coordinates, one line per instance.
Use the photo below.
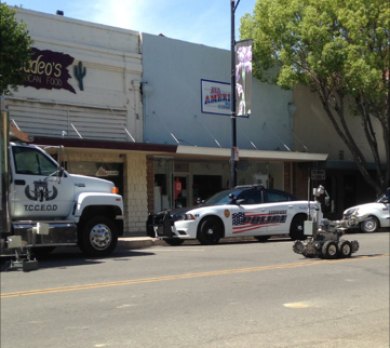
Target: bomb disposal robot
(325, 237)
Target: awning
(181, 151)
(105, 145)
(224, 153)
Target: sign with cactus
(79, 72)
(50, 70)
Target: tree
(15, 46)
(340, 49)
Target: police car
(242, 211)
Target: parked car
(370, 217)
(242, 211)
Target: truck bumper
(53, 233)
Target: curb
(138, 242)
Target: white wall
(111, 85)
(173, 71)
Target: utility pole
(234, 150)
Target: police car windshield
(222, 197)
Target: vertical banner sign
(243, 52)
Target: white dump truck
(43, 206)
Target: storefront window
(163, 169)
(108, 171)
(182, 183)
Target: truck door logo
(40, 192)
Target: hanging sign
(215, 97)
(243, 70)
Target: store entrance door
(180, 191)
(204, 186)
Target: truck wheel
(296, 227)
(345, 248)
(329, 250)
(210, 231)
(369, 225)
(98, 237)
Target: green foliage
(340, 49)
(322, 39)
(15, 46)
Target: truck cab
(50, 207)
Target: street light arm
(236, 5)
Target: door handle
(20, 182)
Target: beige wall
(134, 185)
(136, 202)
(313, 129)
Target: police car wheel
(210, 231)
(296, 227)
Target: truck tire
(210, 231)
(98, 237)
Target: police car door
(36, 190)
(251, 219)
(279, 211)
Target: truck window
(32, 162)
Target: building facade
(138, 109)
(82, 90)
(345, 184)
(180, 80)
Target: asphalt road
(235, 294)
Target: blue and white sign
(215, 97)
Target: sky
(205, 22)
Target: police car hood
(178, 211)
